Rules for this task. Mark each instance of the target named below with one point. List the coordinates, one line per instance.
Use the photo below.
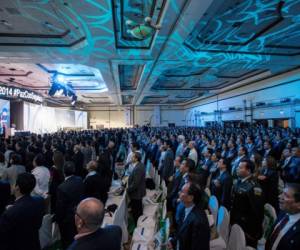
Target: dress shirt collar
(293, 218)
(78, 236)
(246, 178)
(68, 177)
(91, 173)
(187, 211)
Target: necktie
(275, 233)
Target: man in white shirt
(193, 155)
(286, 230)
(42, 176)
(180, 148)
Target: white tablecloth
(120, 215)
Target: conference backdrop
(41, 119)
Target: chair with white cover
(213, 205)
(207, 191)
(223, 223)
(269, 219)
(237, 239)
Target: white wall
(108, 118)
(168, 114)
(114, 117)
(269, 91)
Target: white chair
(237, 239)
(223, 223)
(213, 205)
(269, 219)
(207, 191)
(164, 189)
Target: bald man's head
(92, 166)
(90, 214)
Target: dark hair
(249, 165)
(135, 145)
(26, 183)
(169, 143)
(296, 188)
(58, 160)
(196, 191)
(244, 149)
(138, 156)
(39, 160)
(210, 151)
(190, 164)
(2, 158)
(226, 162)
(15, 158)
(69, 168)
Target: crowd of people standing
(244, 168)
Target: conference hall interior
(149, 124)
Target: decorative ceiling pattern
(110, 53)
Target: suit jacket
(223, 192)
(291, 171)
(194, 232)
(168, 164)
(235, 164)
(78, 161)
(108, 238)
(137, 182)
(19, 225)
(291, 239)
(96, 186)
(4, 195)
(69, 194)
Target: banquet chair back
(223, 223)
(237, 239)
(213, 205)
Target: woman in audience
(56, 176)
(268, 179)
(256, 158)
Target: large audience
(69, 174)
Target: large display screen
(4, 115)
(41, 119)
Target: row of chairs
(234, 236)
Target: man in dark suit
(242, 155)
(206, 164)
(286, 231)
(168, 162)
(193, 232)
(78, 161)
(291, 170)
(4, 195)
(247, 204)
(88, 219)
(20, 223)
(221, 186)
(268, 150)
(69, 194)
(107, 159)
(137, 186)
(95, 184)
